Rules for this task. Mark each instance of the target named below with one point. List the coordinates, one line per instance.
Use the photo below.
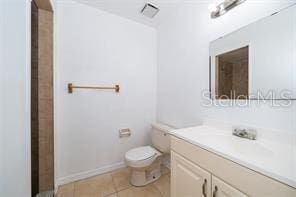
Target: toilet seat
(140, 153)
(141, 157)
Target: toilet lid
(141, 153)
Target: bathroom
(134, 98)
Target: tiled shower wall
(42, 100)
(233, 76)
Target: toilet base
(144, 176)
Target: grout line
(113, 182)
(157, 189)
(125, 189)
(111, 194)
(130, 185)
(74, 190)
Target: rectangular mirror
(257, 61)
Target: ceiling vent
(149, 10)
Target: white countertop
(272, 154)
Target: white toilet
(145, 160)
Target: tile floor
(116, 184)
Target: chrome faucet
(247, 133)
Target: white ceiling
(131, 8)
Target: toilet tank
(160, 137)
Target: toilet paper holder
(124, 132)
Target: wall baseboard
(87, 174)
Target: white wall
(94, 47)
(15, 98)
(183, 63)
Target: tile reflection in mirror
(232, 74)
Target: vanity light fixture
(222, 8)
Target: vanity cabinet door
(188, 179)
(222, 189)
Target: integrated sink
(252, 149)
(244, 147)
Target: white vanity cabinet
(197, 172)
(188, 179)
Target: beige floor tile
(112, 195)
(106, 185)
(66, 190)
(163, 185)
(147, 191)
(121, 178)
(164, 170)
(98, 186)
